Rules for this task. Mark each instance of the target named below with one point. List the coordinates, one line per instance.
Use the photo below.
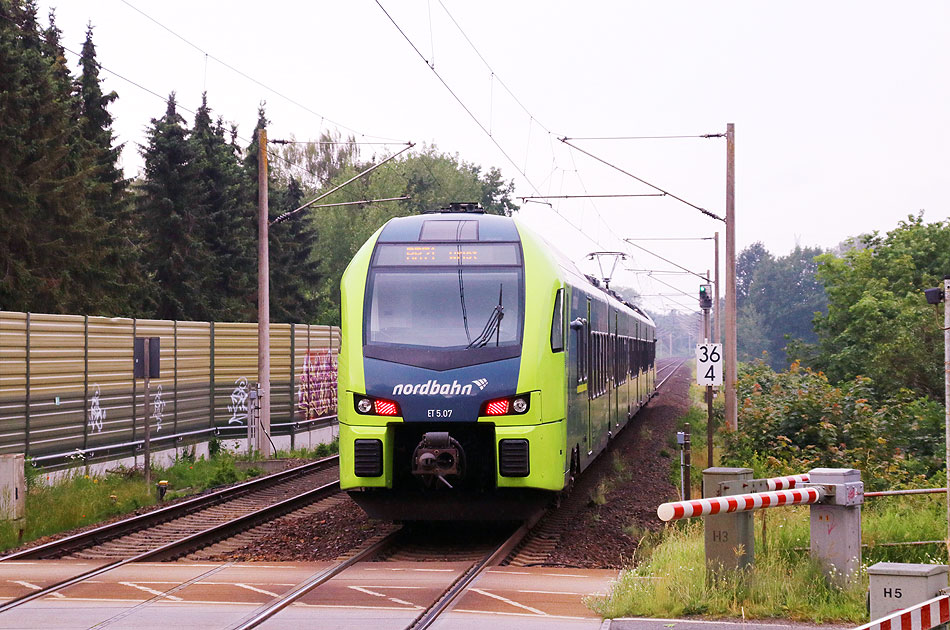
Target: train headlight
(510, 405)
(368, 406)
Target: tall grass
(672, 582)
(82, 500)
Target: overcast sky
(841, 108)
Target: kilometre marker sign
(709, 364)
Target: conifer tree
(294, 273)
(48, 261)
(175, 249)
(230, 278)
(107, 192)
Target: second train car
(480, 371)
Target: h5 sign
(709, 364)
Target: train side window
(557, 323)
(582, 354)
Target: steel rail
(461, 585)
(283, 601)
(672, 372)
(182, 546)
(162, 515)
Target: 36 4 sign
(709, 363)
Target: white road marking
(510, 602)
(514, 614)
(203, 582)
(411, 569)
(510, 572)
(395, 600)
(574, 575)
(151, 591)
(55, 594)
(255, 589)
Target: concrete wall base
(165, 458)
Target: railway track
(668, 368)
(177, 530)
(411, 543)
(180, 530)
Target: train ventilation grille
(513, 458)
(368, 458)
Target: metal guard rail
(134, 447)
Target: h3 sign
(709, 364)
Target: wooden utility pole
(731, 350)
(263, 298)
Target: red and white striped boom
(738, 503)
(929, 614)
(786, 483)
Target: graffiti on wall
(238, 406)
(96, 413)
(316, 395)
(158, 408)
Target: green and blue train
(480, 371)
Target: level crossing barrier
(738, 503)
(834, 494)
(787, 482)
(923, 616)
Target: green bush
(792, 421)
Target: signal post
(708, 366)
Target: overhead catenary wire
(250, 78)
(677, 289)
(590, 196)
(667, 260)
(289, 214)
(642, 181)
(178, 106)
(703, 135)
(476, 120)
(672, 238)
(336, 142)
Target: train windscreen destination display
(415, 254)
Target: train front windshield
(453, 297)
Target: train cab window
(582, 354)
(557, 323)
(442, 230)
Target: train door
(579, 383)
(615, 373)
(592, 383)
(638, 364)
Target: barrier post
(729, 538)
(895, 586)
(835, 523)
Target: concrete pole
(717, 332)
(263, 297)
(946, 389)
(731, 350)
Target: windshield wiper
(492, 326)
